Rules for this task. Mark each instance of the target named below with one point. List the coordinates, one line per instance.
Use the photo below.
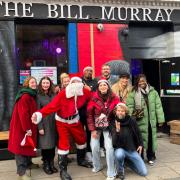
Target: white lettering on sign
(80, 12)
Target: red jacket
(94, 109)
(20, 123)
(65, 107)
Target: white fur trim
(75, 79)
(63, 152)
(83, 146)
(103, 80)
(87, 67)
(39, 117)
(72, 121)
(24, 140)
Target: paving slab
(167, 167)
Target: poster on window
(23, 74)
(39, 72)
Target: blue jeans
(135, 161)
(95, 146)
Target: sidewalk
(167, 167)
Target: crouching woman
(127, 142)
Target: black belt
(70, 117)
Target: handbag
(138, 114)
(101, 122)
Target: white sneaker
(88, 156)
(102, 153)
(110, 178)
(96, 170)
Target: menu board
(23, 74)
(39, 72)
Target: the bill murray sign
(80, 12)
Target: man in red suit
(66, 105)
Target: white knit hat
(122, 105)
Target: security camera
(100, 27)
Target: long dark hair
(107, 95)
(51, 87)
(137, 79)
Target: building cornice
(129, 3)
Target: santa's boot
(63, 162)
(81, 158)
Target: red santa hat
(86, 68)
(75, 78)
(28, 142)
(104, 81)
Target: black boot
(63, 162)
(53, 167)
(81, 158)
(46, 167)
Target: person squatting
(105, 112)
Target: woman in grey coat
(47, 128)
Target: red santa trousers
(65, 130)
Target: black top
(92, 83)
(129, 136)
(125, 139)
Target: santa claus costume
(66, 105)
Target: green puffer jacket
(155, 112)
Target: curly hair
(51, 88)
(26, 81)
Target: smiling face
(142, 83)
(45, 84)
(103, 88)
(120, 112)
(32, 83)
(124, 81)
(105, 71)
(88, 73)
(65, 82)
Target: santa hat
(28, 142)
(103, 80)
(86, 68)
(75, 78)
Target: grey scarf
(138, 96)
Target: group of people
(84, 109)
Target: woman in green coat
(144, 96)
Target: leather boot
(46, 167)
(63, 162)
(53, 167)
(81, 158)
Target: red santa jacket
(65, 107)
(94, 109)
(20, 123)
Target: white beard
(74, 89)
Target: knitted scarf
(138, 96)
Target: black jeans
(22, 163)
(48, 154)
(149, 152)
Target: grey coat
(48, 140)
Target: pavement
(167, 167)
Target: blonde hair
(116, 88)
(62, 76)
(26, 81)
